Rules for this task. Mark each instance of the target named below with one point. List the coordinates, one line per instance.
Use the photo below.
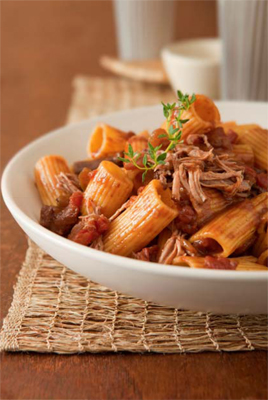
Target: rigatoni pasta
(257, 138)
(138, 143)
(194, 193)
(238, 264)
(106, 140)
(46, 171)
(263, 259)
(243, 153)
(108, 188)
(232, 229)
(152, 211)
(261, 243)
(202, 117)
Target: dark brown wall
(46, 43)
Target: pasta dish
(191, 193)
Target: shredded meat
(61, 220)
(198, 140)
(68, 183)
(164, 172)
(194, 168)
(147, 254)
(93, 208)
(176, 186)
(88, 229)
(176, 246)
(97, 244)
(218, 139)
(124, 206)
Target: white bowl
(181, 287)
(193, 66)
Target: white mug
(193, 66)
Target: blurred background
(45, 44)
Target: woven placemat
(57, 310)
(96, 96)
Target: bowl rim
(174, 55)
(127, 263)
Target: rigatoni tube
(46, 171)
(203, 115)
(244, 153)
(240, 263)
(263, 259)
(261, 243)
(108, 188)
(142, 221)
(106, 140)
(257, 139)
(233, 228)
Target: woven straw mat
(57, 310)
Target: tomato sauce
(219, 263)
(207, 246)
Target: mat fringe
(57, 310)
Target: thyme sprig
(154, 157)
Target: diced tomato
(262, 180)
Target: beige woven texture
(57, 310)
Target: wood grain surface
(44, 44)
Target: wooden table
(44, 45)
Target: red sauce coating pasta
(220, 263)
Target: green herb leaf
(130, 150)
(178, 136)
(151, 150)
(143, 176)
(161, 157)
(193, 98)
(173, 146)
(126, 160)
(165, 110)
(145, 159)
(172, 130)
(179, 95)
(168, 109)
(173, 135)
(151, 147)
(157, 148)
